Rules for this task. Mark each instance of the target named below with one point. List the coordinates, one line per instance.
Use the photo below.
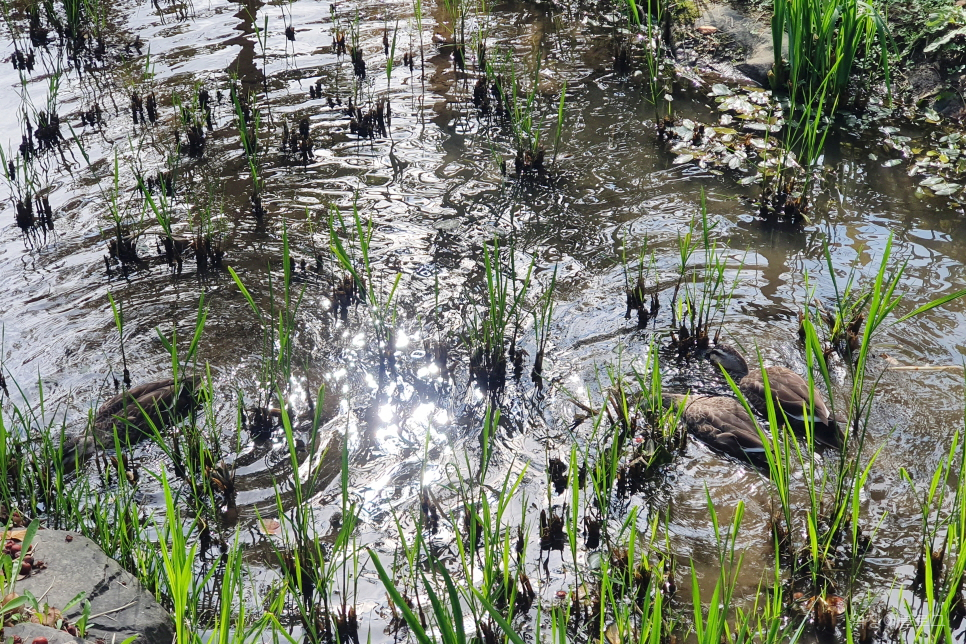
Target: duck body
(789, 392)
(130, 415)
(722, 423)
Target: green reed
(941, 569)
(487, 334)
(277, 340)
(702, 294)
(524, 109)
(418, 16)
(248, 127)
(310, 564)
(230, 624)
(182, 587)
(825, 39)
(788, 173)
(356, 262)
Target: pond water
(435, 195)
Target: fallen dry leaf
(271, 526)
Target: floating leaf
(683, 158)
(931, 181)
(946, 189)
(736, 104)
(721, 90)
(682, 133)
(891, 163)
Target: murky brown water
(435, 195)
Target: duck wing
(116, 404)
(790, 393)
(723, 423)
(137, 405)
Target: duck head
(670, 400)
(728, 358)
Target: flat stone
(120, 606)
(28, 632)
(753, 35)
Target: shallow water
(435, 195)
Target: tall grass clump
(702, 292)
(249, 121)
(277, 338)
(654, 17)
(788, 173)
(936, 603)
(490, 333)
(826, 40)
(317, 570)
(358, 283)
(523, 107)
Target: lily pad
(946, 189)
(683, 133)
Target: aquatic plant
(277, 347)
(358, 283)
(636, 285)
(656, 48)
(701, 294)
(249, 121)
(789, 170)
(488, 335)
(825, 39)
(521, 106)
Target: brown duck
(131, 414)
(789, 391)
(722, 423)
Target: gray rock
(27, 632)
(753, 35)
(120, 607)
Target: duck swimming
(131, 414)
(722, 423)
(789, 392)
